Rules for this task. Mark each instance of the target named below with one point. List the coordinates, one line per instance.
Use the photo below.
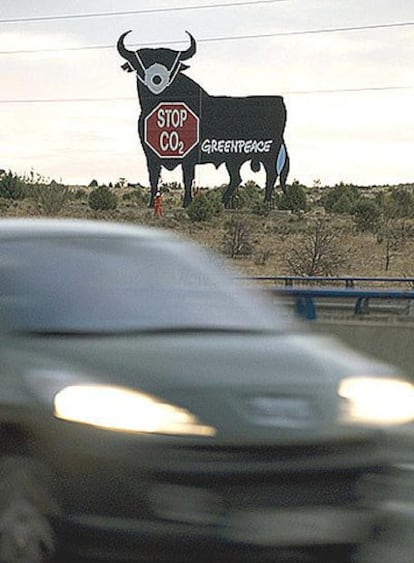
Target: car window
(121, 284)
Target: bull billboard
(181, 124)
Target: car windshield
(85, 285)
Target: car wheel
(26, 535)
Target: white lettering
(183, 116)
(171, 142)
(164, 141)
(206, 146)
(171, 117)
(245, 146)
(174, 140)
(160, 118)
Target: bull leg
(188, 179)
(154, 176)
(235, 181)
(271, 176)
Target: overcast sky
(363, 136)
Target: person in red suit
(158, 204)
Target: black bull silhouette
(231, 130)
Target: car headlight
(375, 400)
(126, 410)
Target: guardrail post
(361, 305)
(305, 307)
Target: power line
(348, 90)
(218, 39)
(133, 98)
(137, 12)
(65, 100)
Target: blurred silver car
(152, 409)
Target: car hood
(248, 386)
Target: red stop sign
(171, 129)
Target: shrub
(339, 198)
(319, 252)
(101, 199)
(343, 205)
(12, 186)
(402, 202)
(367, 215)
(246, 196)
(236, 239)
(294, 199)
(79, 194)
(262, 256)
(51, 198)
(261, 208)
(141, 197)
(205, 206)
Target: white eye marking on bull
(157, 77)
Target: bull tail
(282, 165)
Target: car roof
(13, 228)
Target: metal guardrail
(347, 281)
(305, 296)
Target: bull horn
(190, 52)
(123, 51)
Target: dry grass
(271, 236)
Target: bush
(319, 252)
(341, 199)
(402, 202)
(246, 196)
(101, 199)
(12, 186)
(261, 208)
(205, 206)
(294, 199)
(367, 215)
(343, 206)
(79, 194)
(236, 240)
(51, 198)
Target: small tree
(393, 235)
(93, 183)
(319, 253)
(101, 199)
(236, 239)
